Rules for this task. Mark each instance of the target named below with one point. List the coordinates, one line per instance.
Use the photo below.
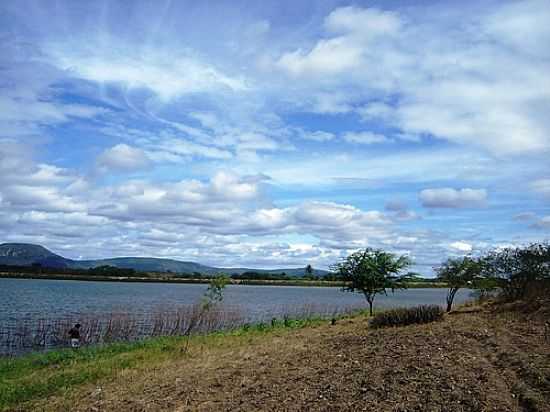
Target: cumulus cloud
(123, 158)
(448, 77)
(453, 198)
(461, 246)
(353, 27)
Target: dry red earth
(471, 361)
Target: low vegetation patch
(407, 316)
(39, 375)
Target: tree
(212, 296)
(514, 269)
(214, 292)
(308, 273)
(372, 272)
(458, 273)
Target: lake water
(29, 300)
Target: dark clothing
(74, 333)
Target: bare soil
(473, 360)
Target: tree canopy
(372, 272)
(458, 273)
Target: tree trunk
(370, 298)
(450, 298)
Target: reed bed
(32, 334)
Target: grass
(36, 376)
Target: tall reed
(30, 334)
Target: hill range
(25, 254)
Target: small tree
(212, 296)
(458, 273)
(214, 292)
(372, 272)
(309, 273)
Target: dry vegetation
(477, 359)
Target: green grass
(39, 375)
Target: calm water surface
(35, 299)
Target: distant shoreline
(137, 279)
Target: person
(74, 335)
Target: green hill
(24, 254)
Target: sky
(277, 133)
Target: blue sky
(276, 133)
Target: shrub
(407, 316)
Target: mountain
(146, 264)
(24, 254)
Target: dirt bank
(480, 361)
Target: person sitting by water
(74, 335)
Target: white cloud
(317, 136)
(369, 23)
(123, 158)
(453, 198)
(522, 25)
(181, 147)
(365, 138)
(454, 77)
(461, 246)
(166, 74)
(357, 28)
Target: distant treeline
(97, 271)
(104, 272)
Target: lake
(29, 300)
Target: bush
(407, 316)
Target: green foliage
(214, 293)
(372, 272)
(252, 275)
(458, 273)
(309, 273)
(514, 269)
(407, 316)
(107, 270)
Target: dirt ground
(476, 361)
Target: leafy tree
(372, 272)
(458, 273)
(309, 273)
(514, 269)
